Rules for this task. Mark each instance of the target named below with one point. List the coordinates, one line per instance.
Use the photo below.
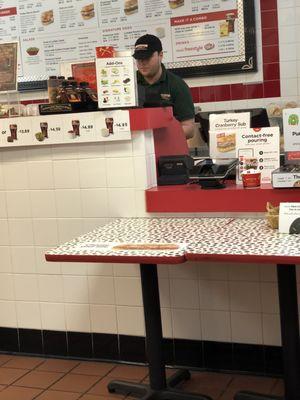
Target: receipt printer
(174, 170)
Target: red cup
(251, 179)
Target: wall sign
(8, 66)
(72, 128)
(258, 149)
(291, 124)
(199, 38)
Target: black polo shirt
(172, 91)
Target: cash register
(208, 173)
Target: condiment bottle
(72, 94)
(61, 96)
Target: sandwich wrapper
(251, 178)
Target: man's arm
(188, 127)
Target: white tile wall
(8, 314)
(53, 316)
(186, 324)
(5, 265)
(216, 326)
(103, 318)
(23, 259)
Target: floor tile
(278, 389)
(129, 372)
(93, 368)
(10, 375)
(100, 389)
(228, 394)
(39, 379)
(24, 362)
(75, 383)
(207, 383)
(54, 365)
(252, 383)
(4, 358)
(92, 397)
(15, 393)
(55, 395)
(169, 373)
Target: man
(157, 81)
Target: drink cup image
(110, 125)
(251, 178)
(44, 129)
(230, 18)
(13, 131)
(76, 127)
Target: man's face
(149, 67)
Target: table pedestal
(159, 387)
(288, 302)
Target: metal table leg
(289, 319)
(159, 387)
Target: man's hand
(188, 127)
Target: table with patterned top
(152, 241)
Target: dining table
(175, 240)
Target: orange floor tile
(29, 378)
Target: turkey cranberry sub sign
(223, 131)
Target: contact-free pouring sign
(223, 131)
(258, 148)
(291, 125)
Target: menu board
(198, 37)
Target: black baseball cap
(145, 46)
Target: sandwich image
(32, 51)
(146, 246)
(115, 71)
(130, 7)
(226, 143)
(47, 17)
(176, 3)
(127, 80)
(88, 11)
(209, 46)
(104, 81)
(160, 32)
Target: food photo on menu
(47, 17)
(32, 51)
(130, 7)
(176, 3)
(88, 11)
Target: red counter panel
(192, 199)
